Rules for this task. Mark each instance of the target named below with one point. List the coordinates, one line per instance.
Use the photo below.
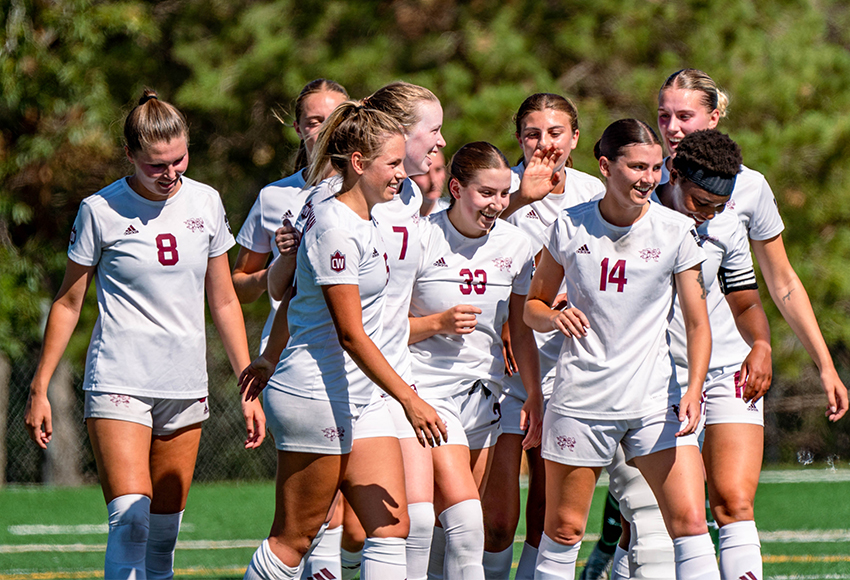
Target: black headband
(712, 183)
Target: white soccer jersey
(398, 221)
(481, 272)
(151, 257)
(535, 219)
(276, 202)
(725, 243)
(621, 278)
(753, 202)
(337, 247)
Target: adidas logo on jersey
(583, 250)
(287, 215)
(532, 215)
(374, 252)
(130, 230)
(441, 263)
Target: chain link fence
(795, 429)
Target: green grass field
(803, 516)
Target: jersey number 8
(166, 245)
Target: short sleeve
(84, 246)
(765, 223)
(522, 281)
(221, 239)
(253, 235)
(737, 255)
(335, 258)
(554, 234)
(690, 252)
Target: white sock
(266, 566)
(323, 561)
(159, 558)
(437, 555)
(497, 565)
(350, 563)
(464, 525)
(384, 559)
(419, 539)
(695, 558)
(556, 561)
(527, 562)
(129, 524)
(620, 564)
(740, 551)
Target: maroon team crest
(334, 433)
(195, 224)
(566, 442)
(650, 254)
(337, 261)
(503, 264)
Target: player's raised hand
(540, 177)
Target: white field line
(778, 476)
(775, 537)
(75, 530)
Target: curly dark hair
(709, 150)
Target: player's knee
(733, 509)
(499, 530)
(689, 521)
(567, 532)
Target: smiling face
(693, 201)
(381, 177)
(315, 109)
(424, 139)
(544, 129)
(680, 112)
(158, 168)
(631, 177)
(478, 204)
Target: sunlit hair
(351, 127)
(311, 88)
(153, 121)
(541, 102)
(710, 151)
(691, 79)
(401, 101)
(472, 158)
(621, 134)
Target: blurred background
(70, 70)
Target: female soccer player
(281, 200)
(330, 431)
(688, 101)
(155, 242)
(469, 255)
(622, 259)
(545, 122)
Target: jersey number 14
(617, 275)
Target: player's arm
(690, 288)
(528, 363)
(460, 319)
(61, 321)
(793, 302)
(343, 302)
(226, 313)
(254, 378)
(538, 312)
(250, 275)
(757, 370)
(538, 179)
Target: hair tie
(147, 98)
